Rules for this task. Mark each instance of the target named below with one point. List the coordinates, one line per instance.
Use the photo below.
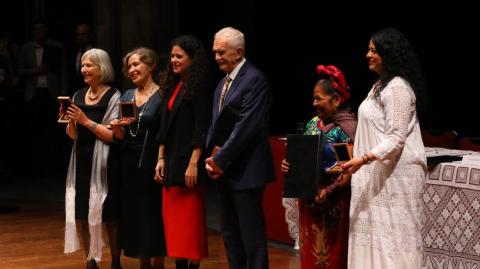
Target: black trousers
(243, 228)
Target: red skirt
(185, 222)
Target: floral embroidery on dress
(321, 223)
(320, 247)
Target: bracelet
(365, 158)
(92, 125)
(160, 158)
(330, 188)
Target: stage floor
(32, 236)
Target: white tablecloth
(451, 232)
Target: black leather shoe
(91, 264)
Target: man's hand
(213, 170)
(285, 166)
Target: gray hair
(235, 38)
(101, 58)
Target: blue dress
(140, 230)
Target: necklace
(93, 96)
(144, 106)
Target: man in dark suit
(42, 68)
(244, 163)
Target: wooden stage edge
(32, 238)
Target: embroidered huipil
(386, 206)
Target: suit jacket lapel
(216, 100)
(232, 90)
(176, 105)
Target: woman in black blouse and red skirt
(185, 121)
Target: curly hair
(399, 59)
(197, 74)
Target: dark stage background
(287, 41)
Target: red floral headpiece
(338, 80)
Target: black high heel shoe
(92, 264)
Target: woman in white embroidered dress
(389, 164)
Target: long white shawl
(98, 191)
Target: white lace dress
(386, 207)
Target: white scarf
(98, 191)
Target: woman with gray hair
(91, 187)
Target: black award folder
(223, 127)
(304, 158)
(434, 160)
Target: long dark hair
(198, 73)
(400, 59)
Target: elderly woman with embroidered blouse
(389, 161)
(323, 223)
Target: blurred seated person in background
(324, 224)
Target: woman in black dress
(91, 188)
(141, 232)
